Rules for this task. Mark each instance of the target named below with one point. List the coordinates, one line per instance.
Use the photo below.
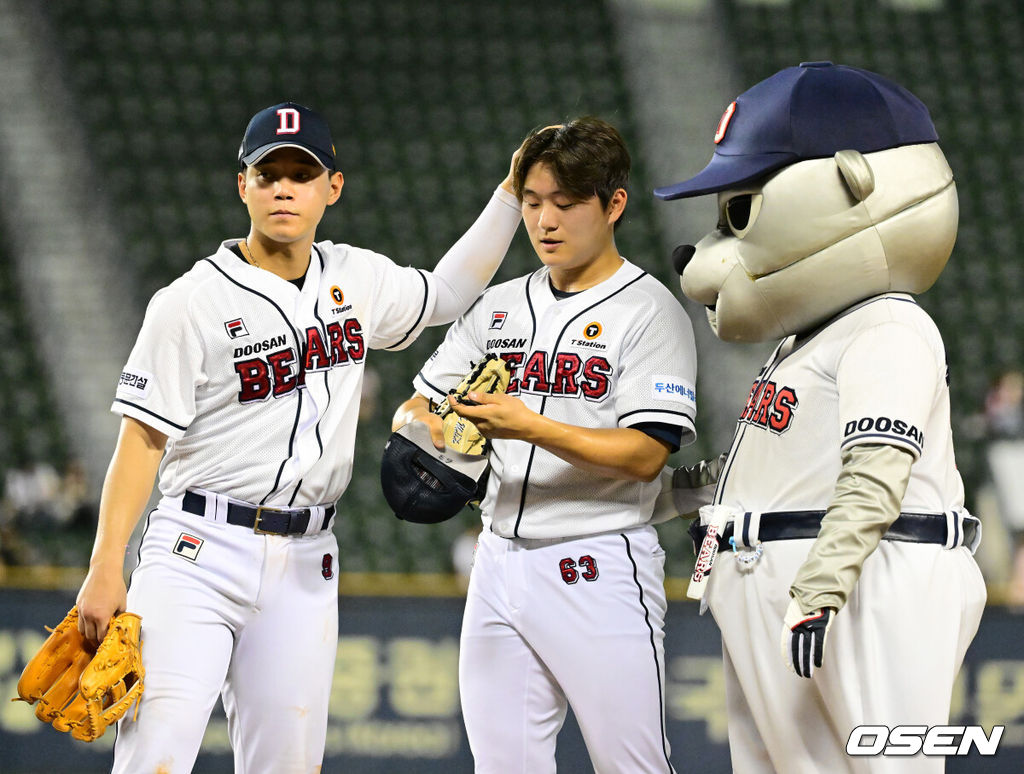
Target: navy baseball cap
(287, 125)
(806, 112)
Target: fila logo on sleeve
(288, 121)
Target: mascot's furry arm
(866, 502)
(684, 490)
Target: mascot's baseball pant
(891, 657)
(540, 631)
(251, 617)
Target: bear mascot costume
(844, 551)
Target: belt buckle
(259, 517)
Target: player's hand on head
(102, 596)
(496, 415)
(507, 183)
(803, 638)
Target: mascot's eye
(737, 212)
(741, 212)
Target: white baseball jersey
(257, 383)
(874, 375)
(619, 354)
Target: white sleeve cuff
(145, 416)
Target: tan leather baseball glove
(80, 688)
(490, 374)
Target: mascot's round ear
(857, 174)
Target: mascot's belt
(950, 530)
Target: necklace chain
(247, 253)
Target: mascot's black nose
(681, 256)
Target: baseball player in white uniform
(566, 603)
(846, 553)
(244, 386)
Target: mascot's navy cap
(807, 112)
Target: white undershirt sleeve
(464, 271)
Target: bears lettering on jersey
(282, 371)
(770, 406)
(572, 375)
(534, 377)
(514, 361)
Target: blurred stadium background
(119, 127)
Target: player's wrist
(548, 433)
(108, 559)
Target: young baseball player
(844, 542)
(566, 603)
(243, 387)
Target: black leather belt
(262, 519)
(800, 525)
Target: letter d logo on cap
(289, 121)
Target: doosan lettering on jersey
(859, 429)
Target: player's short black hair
(587, 156)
